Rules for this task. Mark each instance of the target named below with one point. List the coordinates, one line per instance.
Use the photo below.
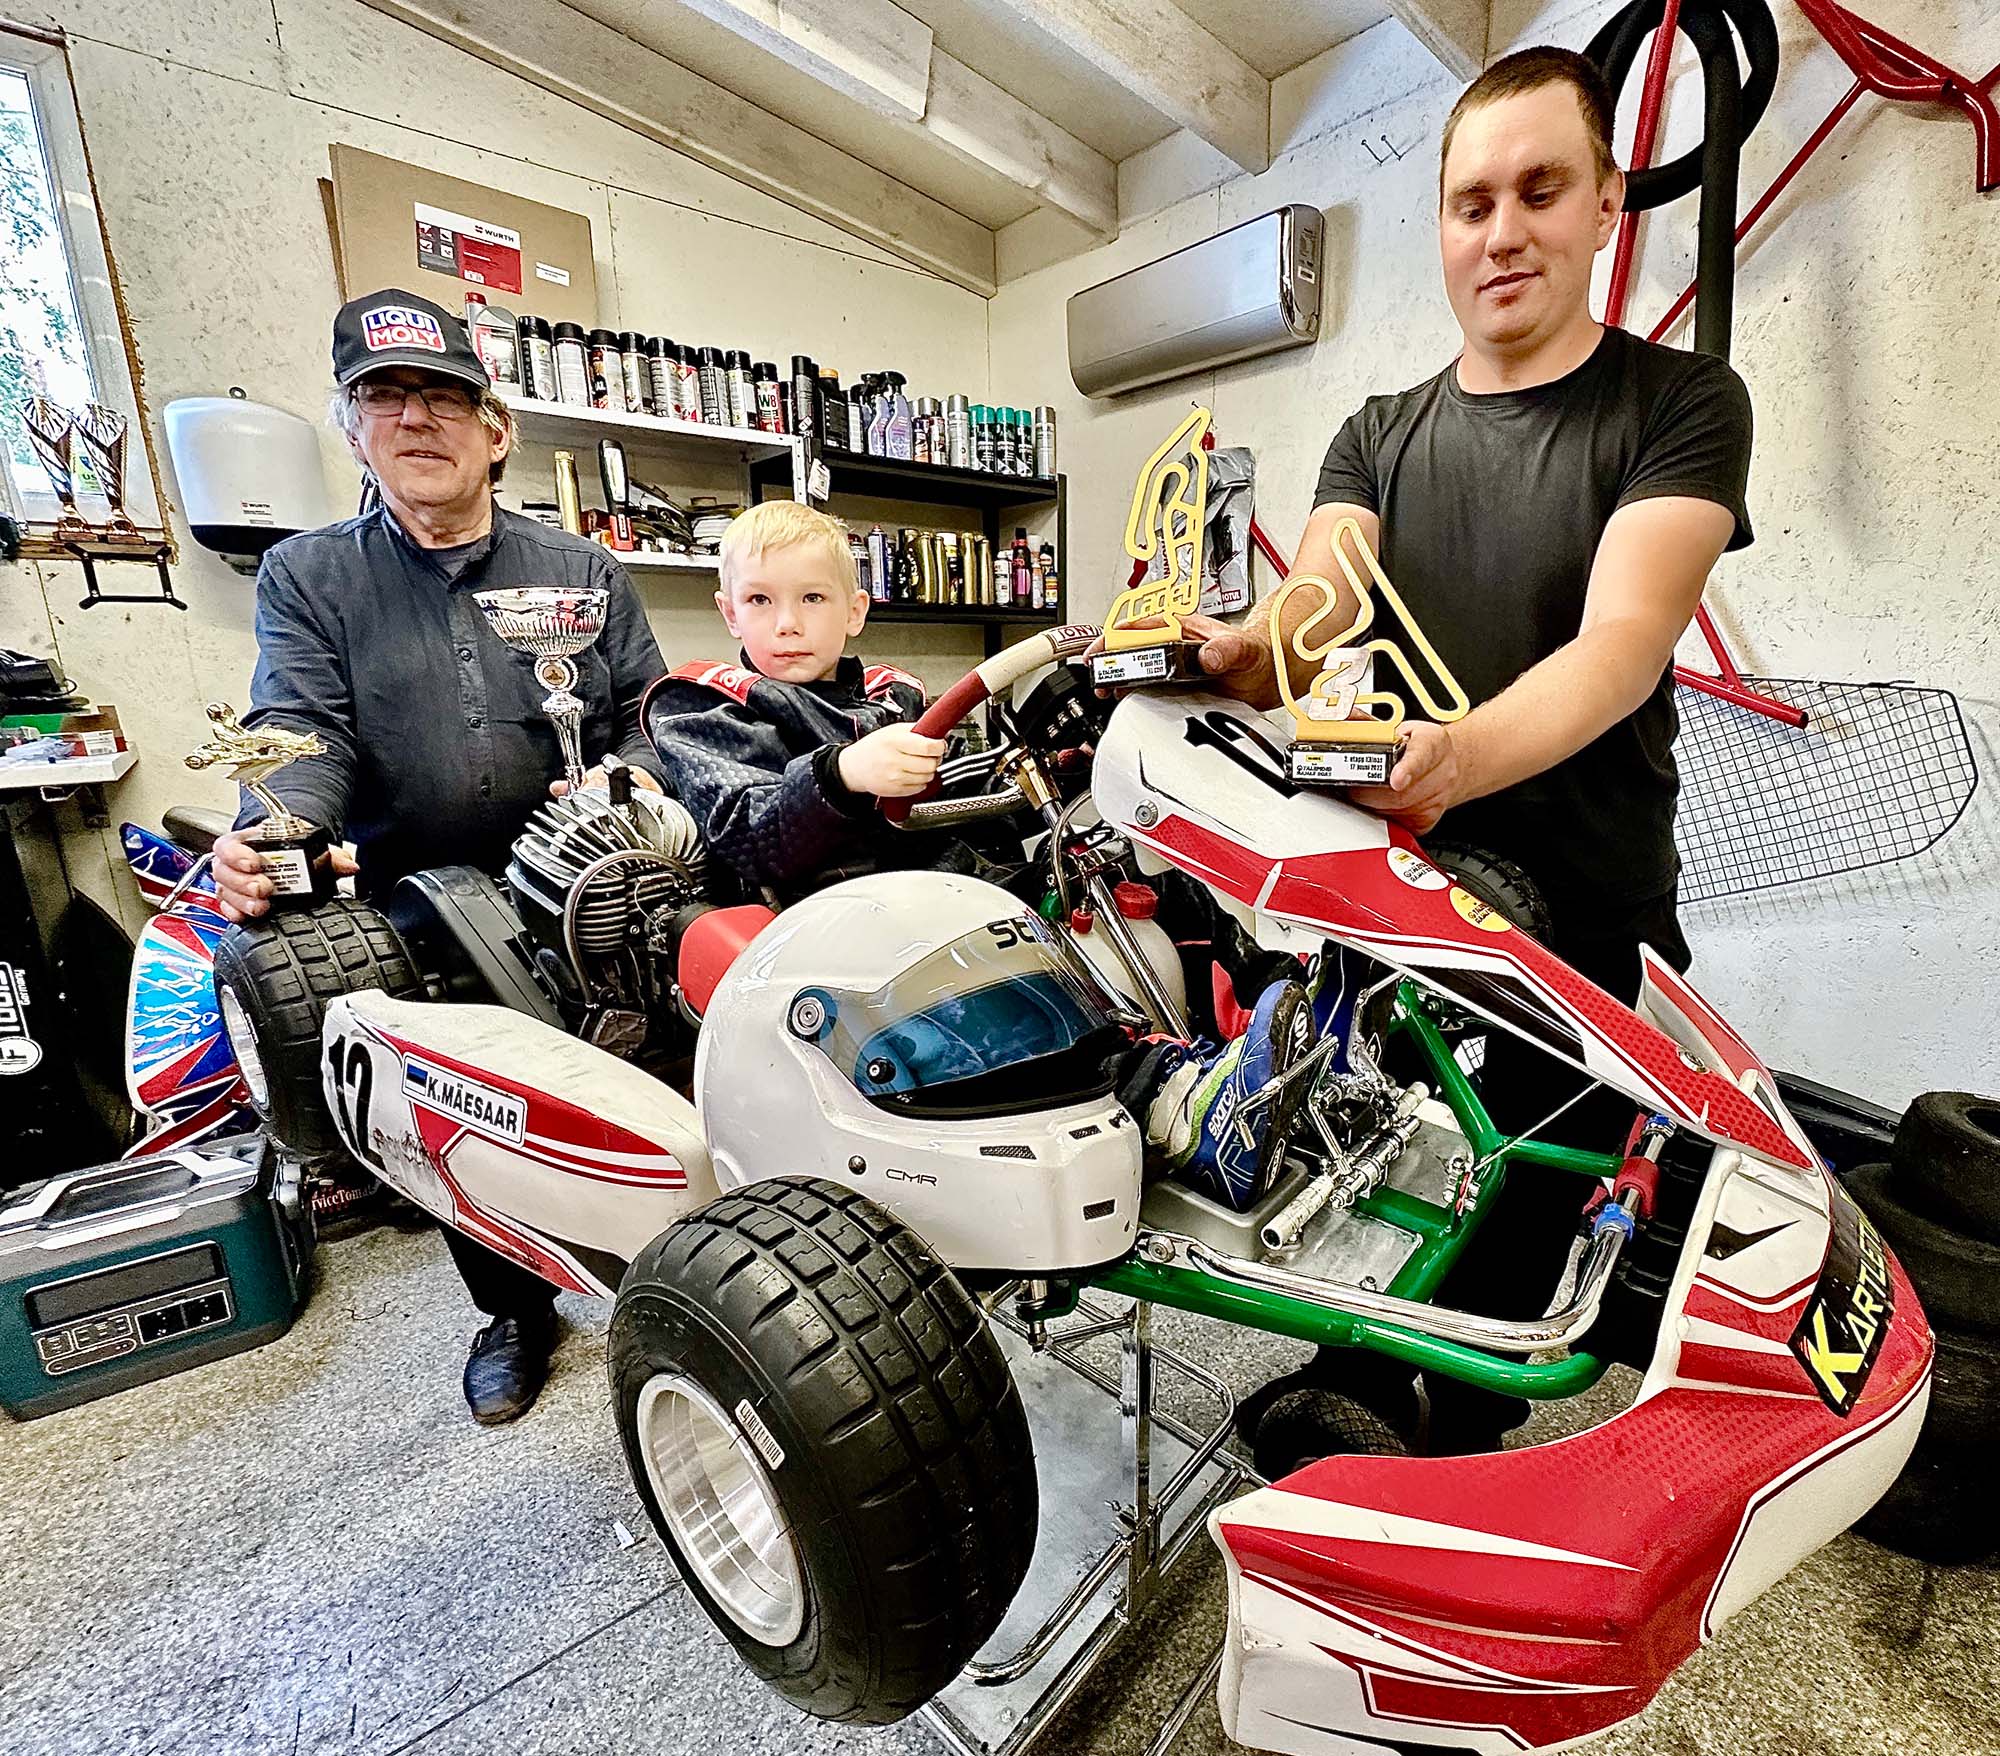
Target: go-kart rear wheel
(1303, 1426)
(275, 979)
(829, 1442)
(1954, 1275)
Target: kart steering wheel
(983, 682)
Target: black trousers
(498, 1287)
(1515, 1261)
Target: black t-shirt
(1492, 507)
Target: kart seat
(711, 943)
(196, 827)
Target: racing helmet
(929, 1040)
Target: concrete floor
(310, 1548)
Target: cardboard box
(397, 225)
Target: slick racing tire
(1956, 1277)
(275, 979)
(1947, 1161)
(1498, 883)
(828, 1439)
(1303, 1426)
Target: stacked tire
(1937, 1203)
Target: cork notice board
(396, 225)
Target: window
(59, 330)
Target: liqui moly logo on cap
(397, 326)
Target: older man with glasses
(436, 746)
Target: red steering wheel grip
(984, 682)
(938, 719)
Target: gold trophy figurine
(1167, 522)
(291, 848)
(1339, 738)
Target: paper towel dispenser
(1247, 291)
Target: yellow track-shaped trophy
(1339, 739)
(1167, 523)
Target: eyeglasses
(446, 402)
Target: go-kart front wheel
(828, 1440)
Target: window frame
(42, 57)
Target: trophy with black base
(1346, 732)
(552, 624)
(1163, 533)
(293, 850)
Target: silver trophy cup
(553, 623)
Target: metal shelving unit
(992, 498)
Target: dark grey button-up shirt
(436, 744)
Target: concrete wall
(1863, 304)
(208, 123)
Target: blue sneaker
(1230, 1158)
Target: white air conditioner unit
(1247, 291)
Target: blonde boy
(783, 756)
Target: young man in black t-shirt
(1549, 505)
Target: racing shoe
(508, 1366)
(1232, 1157)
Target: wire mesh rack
(1878, 772)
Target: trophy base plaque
(295, 861)
(1134, 667)
(1366, 760)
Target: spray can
(607, 372)
(957, 432)
(638, 379)
(978, 567)
(572, 361)
(742, 389)
(857, 548)
(715, 397)
(904, 571)
(982, 436)
(659, 376)
(954, 568)
(927, 431)
(684, 377)
(770, 405)
(1024, 444)
(880, 582)
(805, 401)
(538, 361)
(1045, 441)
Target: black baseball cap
(395, 328)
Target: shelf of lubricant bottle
(909, 573)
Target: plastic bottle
(877, 430)
(857, 546)
(897, 430)
(834, 434)
(496, 341)
(572, 360)
(1137, 907)
(1024, 570)
(1051, 581)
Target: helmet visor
(1007, 1017)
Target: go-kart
(895, 1114)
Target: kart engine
(598, 885)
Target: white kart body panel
(557, 1155)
